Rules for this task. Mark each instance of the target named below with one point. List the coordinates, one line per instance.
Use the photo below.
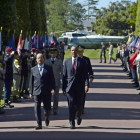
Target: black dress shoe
(100, 62)
(133, 80)
(104, 62)
(72, 127)
(7, 105)
(2, 111)
(38, 127)
(55, 113)
(79, 120)
(47, 122)
(138, 88)
(134, 83)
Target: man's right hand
(31, 96)
(64, 93)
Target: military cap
(23, 50)
(34, 50)
(41, 48)
(8, 50)
(15, 52)
(0, 52)
(53, 50)
(80, 48)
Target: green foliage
(116, 19)
(138, 20)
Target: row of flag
(36, 41)
(133, 42)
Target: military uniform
(16, 78)
(57, 67)
(24, 74)
(8, 77)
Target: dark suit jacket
(89, 67)
(9, 67)
(103, 48)
(80, 78)
(41, 84)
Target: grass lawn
(92, 53)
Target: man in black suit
(89, 70)
(42, 84)
(75, 84)
(103, 53)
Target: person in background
(103, 52)
(16, 76)
(111, 52)
(8, 58)
(118, 51)
(89, 70)
(2, 75)
(57, 67)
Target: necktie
(40, 70)
(74, 65)
(52, 61)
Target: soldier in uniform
(89, 70)
(111, 52)
(24, 72)
(16, 76)
(33, 57)
(57, 67)
(2, 73)
(8, 58)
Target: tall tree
(138, 19)
(8, 17)
(23, 16)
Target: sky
(103, 3)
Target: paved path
(112, 112)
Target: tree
(138, 20)
(115, 20)
(8, 17)
(23, 16)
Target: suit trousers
(7, 89)
(111, 58)
(1, 88)
(28, 80)
(75, 98)
(56, 99)
(101, 58)
(16, 83)
(46, 99)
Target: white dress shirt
(53, 59)
(42, 66)
(75, 60)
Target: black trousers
(46, 99)
(101, 57)
(75, 98)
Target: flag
(12, 43)
(34, 41)
(26, 44)
(129, 39)
(48, 40)
(52, 40)
(0, 42)
(137, 43)
(41, 40)
(30, 43)
(7, 42)
(19, 46)
(44, 40)
(55, 40)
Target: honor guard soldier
(2, 75)
(89, 69)
(8, 58)
(57, 67)
(29, 72)
(16, 76)
(33, 57)
(24, 72)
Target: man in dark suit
(103, 53)
(89, 70)
(75, 84)
(42, 84)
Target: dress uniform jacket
(57, 68)
(24, 64)
(9, 67)
(111, 50)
